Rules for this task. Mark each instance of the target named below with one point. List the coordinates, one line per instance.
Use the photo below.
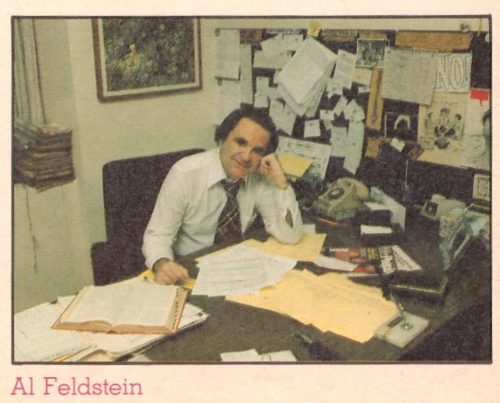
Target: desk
(235, 327)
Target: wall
(59, 225)
(66, 220)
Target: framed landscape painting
(145, 56)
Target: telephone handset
(342, 199)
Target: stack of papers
(119, 345)
(36, 341)
(239, 270)
(330, 302)
(303, 79)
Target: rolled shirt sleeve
(274, 205)
(191, 199)
(165, 220)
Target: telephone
(439, 205)
(342, 199)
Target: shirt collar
(217, 173)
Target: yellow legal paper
(308, 249)
(188, 284)
(294, 165)
(330, 302)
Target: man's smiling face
(242, 150)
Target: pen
(330, 222)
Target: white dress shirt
(191, 200)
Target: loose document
(239, 270)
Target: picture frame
(146, 56)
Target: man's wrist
(160, 260)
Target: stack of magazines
(42, 155)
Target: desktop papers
(330, 302)
(308, 249)
(253, 355)
(117, 345)
(239, 270)
(36, 341)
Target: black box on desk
(419, 285)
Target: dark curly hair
(256, 116)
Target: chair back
(130, 189)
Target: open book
(36, 341)
(131, 306)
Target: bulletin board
(404, 110)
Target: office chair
(130, 189)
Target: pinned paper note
(453, 72)
(319, 153)
(294, 165)
(227, 52)
(339, 107)
(325, 114)
(409, 75)
(273, 46)
(283, 117)
(362, 76)
(314, 28)
(354, 146)
(246, 90)
(398, 144)
(342, 76)
(311, 128)
(338, 140)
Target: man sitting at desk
(213, 197)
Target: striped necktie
(229, 224)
